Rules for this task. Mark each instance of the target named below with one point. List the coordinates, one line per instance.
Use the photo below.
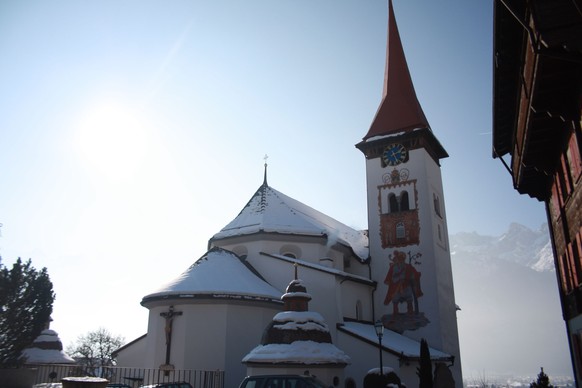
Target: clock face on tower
(394, 154)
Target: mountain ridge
(519, 244)
(510, 322)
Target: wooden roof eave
(508, 40)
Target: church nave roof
(271, 211)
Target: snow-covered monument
(47, 348)
(213, 316)
(297, 341)
(46, 357)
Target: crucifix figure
(169, 317)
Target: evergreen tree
(543, 381)
(424, 371)
(26, 303)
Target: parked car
(281, 381)
(173, 384)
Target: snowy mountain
(510, 321)
(519, 245)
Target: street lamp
(379, 327)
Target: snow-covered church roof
(398, 344)
(219, 274)
(271, 211)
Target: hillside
(510, 321)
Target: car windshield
(282, 382)
(317, 383)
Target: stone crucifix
(169, 317)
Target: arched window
(400, 231)
(437, 204)
(242, 251)
(392, 203)
(290, 250)
(404, 205)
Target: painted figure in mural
(403, 282)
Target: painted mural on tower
(404, 288)
(398, 204)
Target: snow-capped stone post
(296, 341)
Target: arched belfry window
(404, 204)
(398, 204)
(393, 203)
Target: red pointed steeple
(399, 110)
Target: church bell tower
(409, 247)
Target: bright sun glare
(112, 138)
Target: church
(218, 313)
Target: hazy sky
(132, 131)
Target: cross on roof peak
(265, 174)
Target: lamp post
(379, 327)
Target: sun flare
(113, 139)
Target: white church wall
(327, 299)
(208, 336)
(277, 273)
(156, 346)
(244, 330)
(312, 249)
(356, 267)
(322, 287)
(420, 169)
(203, 336)
(374, 173)
(447, 307)
(302, 247)
(356, 300)
(344, 294)
(133, 355)
(365, 356)
(326, 251)
(436, 257)
(155, 341)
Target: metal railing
(130, 377)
